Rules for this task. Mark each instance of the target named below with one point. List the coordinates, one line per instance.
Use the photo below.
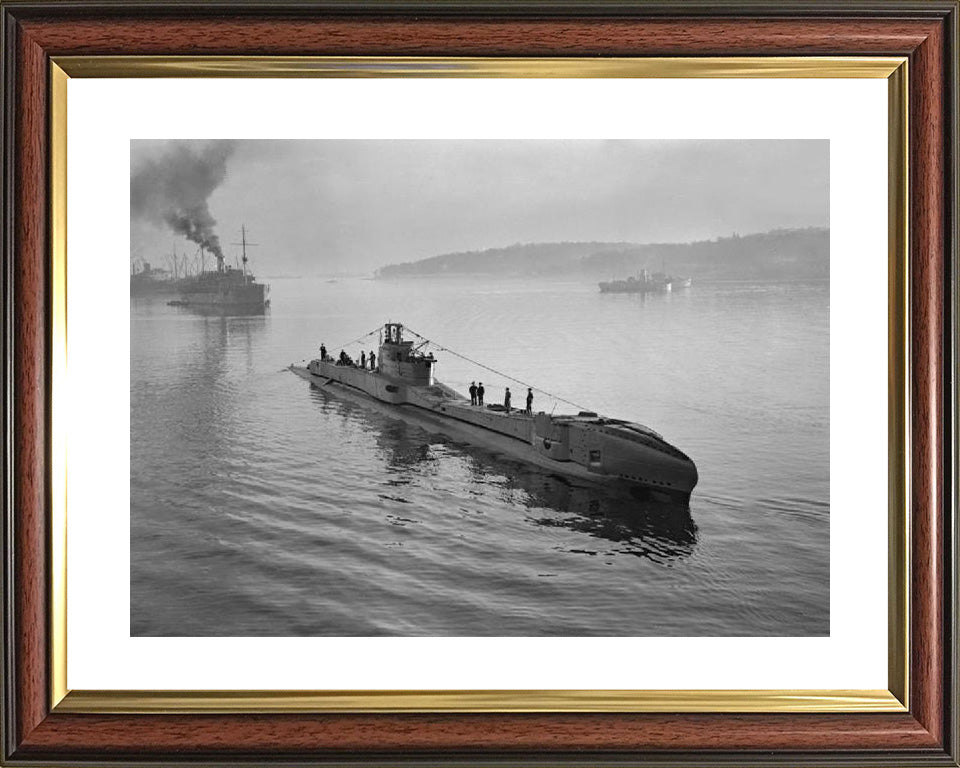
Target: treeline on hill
(787, 254)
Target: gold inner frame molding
(894, 699)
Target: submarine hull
(589, 449)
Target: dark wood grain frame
(925, 32)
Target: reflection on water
(262, 506)
(639, 526)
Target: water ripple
(262, 506)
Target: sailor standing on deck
(529, 400)
(473, 393)
(323, 352)
(506, 399)
(363, 360)
(373, 361)
(480, 394)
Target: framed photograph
(468, 383)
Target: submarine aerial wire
(472, 362)
(495, 371)
(357, 340)
(351, 343)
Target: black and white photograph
(480, 387)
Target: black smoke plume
(174, 186)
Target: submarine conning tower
(399, 359)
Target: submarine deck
(437, 398)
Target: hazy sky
(352, 206)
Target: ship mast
(243, 244)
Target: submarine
(583, 446)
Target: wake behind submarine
(584, 446)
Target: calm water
(263, 506)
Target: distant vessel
(646, 282)
(226, 286)
(148, 281)
(584, 445)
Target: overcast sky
(317, 207)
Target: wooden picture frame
(42, 726)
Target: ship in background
(146, 280)
(646, 282)
(225, 287)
